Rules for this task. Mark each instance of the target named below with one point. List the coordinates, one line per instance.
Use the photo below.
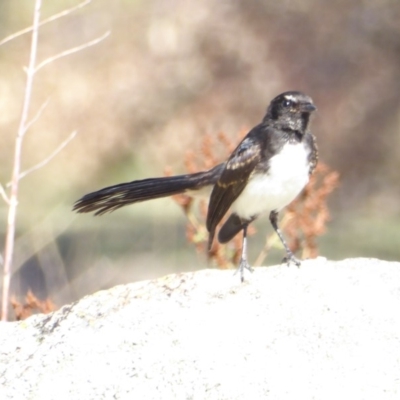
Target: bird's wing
(233, 180)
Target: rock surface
(327, 330)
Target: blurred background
(170, 72)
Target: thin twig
(45, 21)
(3, 194)
(12, 209)
(37, 116)
(71, 51)
(270, 242)
(47, 159)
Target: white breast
(274, 190)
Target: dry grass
(306, 217)
(31, 306)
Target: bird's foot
(290, 258)
(242, 266)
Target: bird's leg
(243, 259)
(273, 217)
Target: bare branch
(3, 194)
(71, 51)
(47, 159)
(12, 209)
(37, 116)
(45, 21)
(24, 124)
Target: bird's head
(291, 110)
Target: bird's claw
(242, 266)
(291, 258)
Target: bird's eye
(287, 103)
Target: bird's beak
(308, 107)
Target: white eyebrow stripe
(290, 97)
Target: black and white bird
(266, 172)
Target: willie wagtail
(265, 172)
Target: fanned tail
(113, 197)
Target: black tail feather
(113, 197)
